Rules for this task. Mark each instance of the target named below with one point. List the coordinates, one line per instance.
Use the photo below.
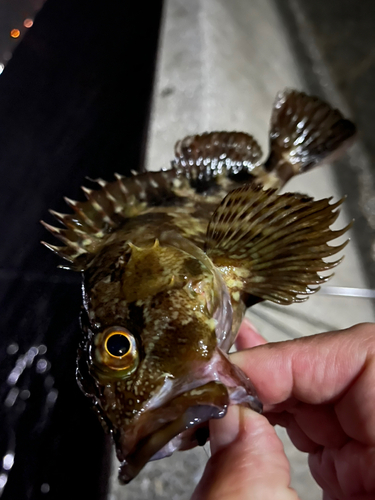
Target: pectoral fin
(272, 246)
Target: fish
(170, 261)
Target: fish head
(152, 357)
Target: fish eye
(118, 344)
(116, 351)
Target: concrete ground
(221, 64)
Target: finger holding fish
(321, 389)
(247, 462)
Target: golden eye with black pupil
(116, 352)
(118, 344)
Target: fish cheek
(119, 404)
(188, 337)
(114, 402)
(186, 345)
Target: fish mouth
(183, 431)
(182, 422)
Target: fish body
(171, 260)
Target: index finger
(335, 367)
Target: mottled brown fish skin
(170, 261)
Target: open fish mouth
(175, 426)
(167, 439)
(182, 423)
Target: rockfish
(170, 261)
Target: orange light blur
(28, 23)
(15, 33)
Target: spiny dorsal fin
(105, 210)
(273, 245)
(305, 131)
(206, 156)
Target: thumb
(247, 462)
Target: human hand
(322, 390)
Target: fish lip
(189, 418)
(225, 384)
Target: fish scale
(171, 260)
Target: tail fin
(305, 132)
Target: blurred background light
(28, 23)
(16, 17)
(15, 33)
